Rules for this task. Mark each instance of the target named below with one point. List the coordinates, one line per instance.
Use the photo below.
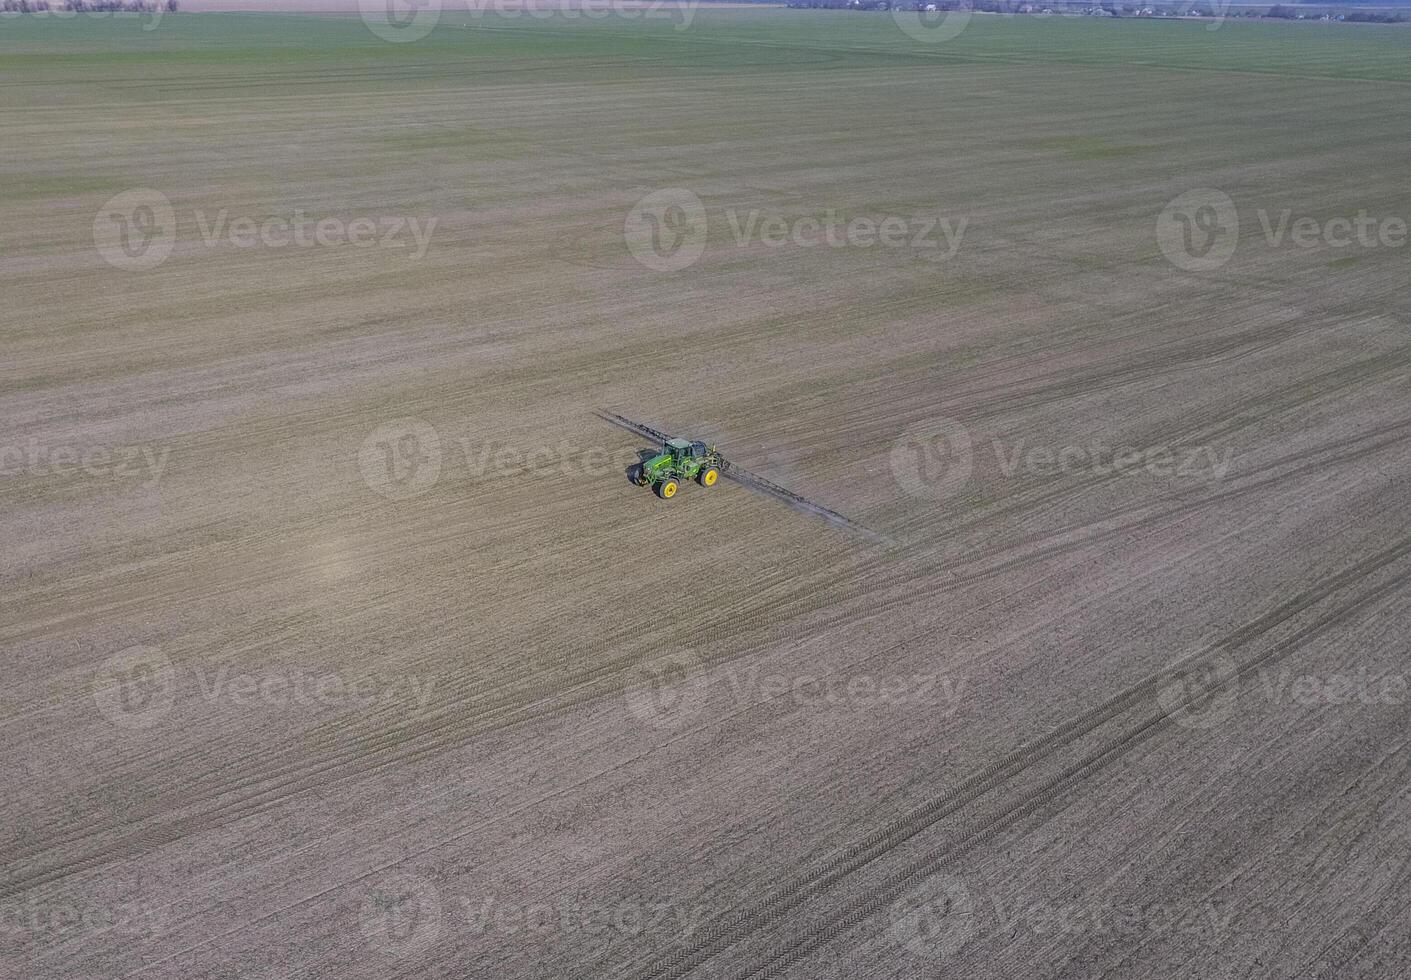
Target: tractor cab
(680, 448)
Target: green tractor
(678, 461)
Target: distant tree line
(1284, 12)
(1107, 8)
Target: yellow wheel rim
(710, 478)
(669, 490)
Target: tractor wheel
(639, 476)
(666, 489)
(708, 476)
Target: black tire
(708, 476)
(667, 488)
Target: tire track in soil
(734, 929)
(368, 755)
(1240, 416)
(1335, 453)
(377, 751)
(872, 900)
(1397, 752)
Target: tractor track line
(1060, 547)
(353, 761)
(524, 807)
(296, 779)
(919, 818)
(1191, 435)
(1396, 752)
(1294, 464)
(873, 899)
